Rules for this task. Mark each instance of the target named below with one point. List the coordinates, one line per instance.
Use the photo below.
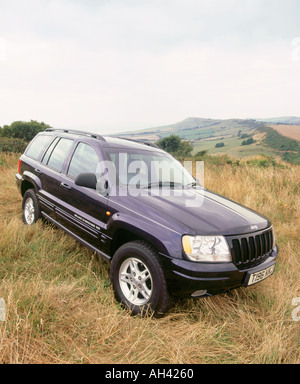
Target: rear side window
(56, 154)
(84, 160)
(37, 146)
(49, 151)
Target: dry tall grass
(60, 306)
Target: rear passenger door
(49, 171)
(84, 210)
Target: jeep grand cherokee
(160, 244)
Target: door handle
(38, 171)
(65, 185)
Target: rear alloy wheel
(31, 209)
(138, 280)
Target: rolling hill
(195, 129)
(271, 138)
(287, 120)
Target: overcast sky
(115, 65)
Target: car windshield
(147, 169)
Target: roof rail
(81, 133)
(138, 141)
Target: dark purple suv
(138, 208)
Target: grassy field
(61, 309)
(291, 131)
(233, 147)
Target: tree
(248, 141)
(245, 136)
(23, 130)
(175, 146)
(220, 145)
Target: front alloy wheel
(135, 281)
(138, 279)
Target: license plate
(260, 275)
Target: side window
(56, 154)
(37, 146)
(84, 160)
(49, 151)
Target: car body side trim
(83, 242)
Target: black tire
(138, 280)
(30, 207)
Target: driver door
(84, 211)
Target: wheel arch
(30, 181)
(25, 186)
(123, 235)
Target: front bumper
(186, 277)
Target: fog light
(199, 293)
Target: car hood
(205, 212)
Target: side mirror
(103, 186)
(87, 180)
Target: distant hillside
(229, 136)
(195, 129)
(289, 120)
(286, 147)
(292, 131)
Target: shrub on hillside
(213, 160)
(263, 162)
(248, 141)
(12, 145)
(175, 146)
(244, 136)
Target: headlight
(206, 249)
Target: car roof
(106, 141)
(111, 141)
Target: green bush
(263, 162)
(12, 145)
(244, 136)
(248, 141)
(25, 130)
(175, 146)
(213, 160)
